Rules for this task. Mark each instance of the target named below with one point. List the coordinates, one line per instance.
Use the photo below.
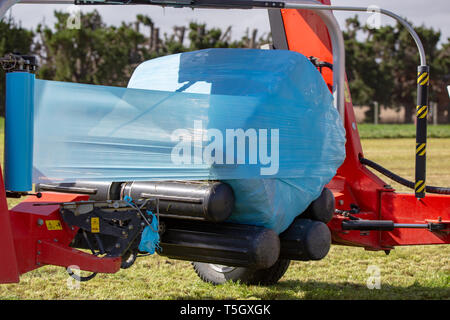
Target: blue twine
(150, 237)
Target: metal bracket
(17, 62)
(114, 225)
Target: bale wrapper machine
(355, 209)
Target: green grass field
(383, 131)
(415, 272)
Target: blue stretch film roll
(19, 131)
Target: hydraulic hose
(402, 181)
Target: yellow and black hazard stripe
(422, 111)
(421, 149)
(423, 78)
(420, 186)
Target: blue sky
(432, 13)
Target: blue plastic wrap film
(187, 101)
(293, 97)
(18, 158)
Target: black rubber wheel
(219, 274)
(128, 258)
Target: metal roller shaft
(194, 200)
(212, 201)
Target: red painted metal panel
(406, 208)
(61, 255)
(29, 223)
(38, 242)
(307, 34)
(9, 272)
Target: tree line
(381, 63)
(382, 66)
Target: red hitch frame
(34, 236)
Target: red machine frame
(354, 183)
(33, 236)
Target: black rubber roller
(220, 243)
(305, 240)
(194, 200)
(321, 209)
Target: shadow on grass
(317, 290)
(346, 290)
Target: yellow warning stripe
(421, 149)
(422, 111)
(425, 81)
(421, 76)
(420, 186)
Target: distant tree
(202, 38)
(398, 55)
(99, 54)
(369, 80)
(94, 53)
(175, 42)
(252, 41)
(13, 39)
(440, 79)
(383, 65)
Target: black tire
(129, 258)
(218, 274)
